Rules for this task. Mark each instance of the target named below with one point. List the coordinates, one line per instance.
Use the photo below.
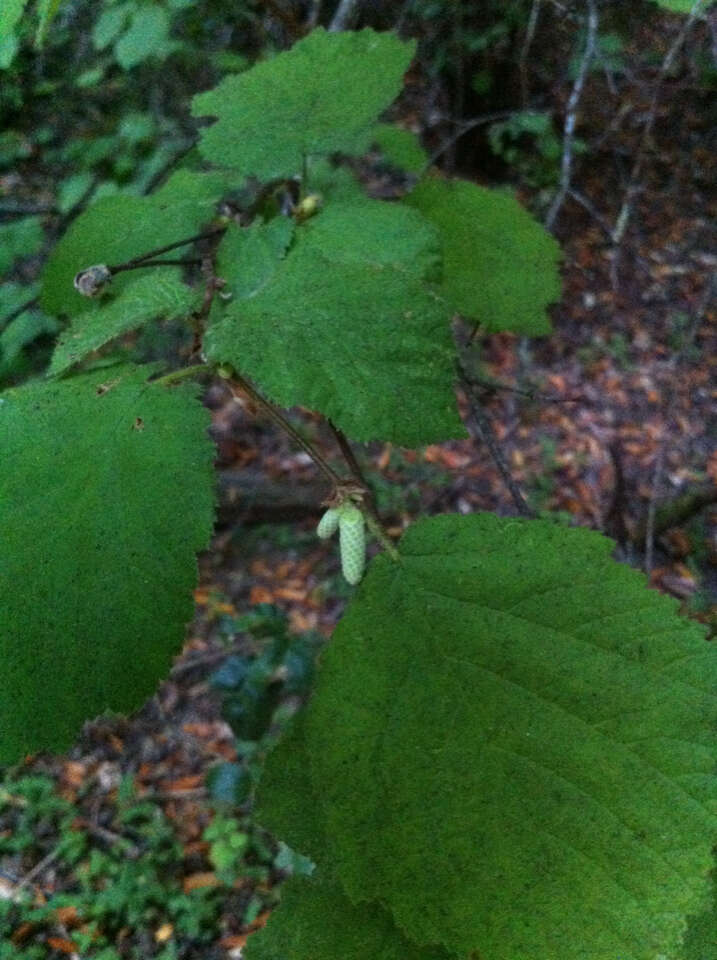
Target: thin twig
(525, 50)
(135, 261)
(238, 385)
(160, 263)
(487, 435)
(184, 373)
(109, 836)
(38, 868)
(373, 519)
(487, 383)
(588, 205)
(633, 185)
(674, 364)
(346, 13)
(314, 14)
(566, 165)
(465, 127)
(157, 178)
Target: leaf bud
(307, 207)
(92, 281)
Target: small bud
(328, 524)
(309, 206)
(225, 371)
(92, 281)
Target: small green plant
(132, 883)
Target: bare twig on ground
(674, 364)
(465, 127)
(589, 206)
(634, 185)
(525, 50)
(346, 13)
(485, 430)
(571, 115)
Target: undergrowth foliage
(510, 751)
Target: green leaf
(147, 36)
(20, 333)
(248, 257)
(8, 48)
(110, 24)
(316, 921)
(20, 238)
(500, 265)
(160, 292)
(513, 744)
(46, 13)
(377, 234)
(73, 189)
(10, 14)
(118, 228)
(400, 147)
(701, 937)
(299, 103)
(106, 494)
(681, 6)
(286, 804)
(350, 329)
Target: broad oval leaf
(299, 104)
(367, 345)
(106, 495)
(248, 257)
(158, 293)
(500, 266)
(119, 228)
(316, 921)
(514, 747)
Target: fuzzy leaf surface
(159, 293)
(500, 266)
(106, 495)
(351, 332)
(116, 229)
(304, 92)
(316, 921)
(401, 147)
(248, 257)
(513, 744)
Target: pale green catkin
(352, 540)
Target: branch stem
(373, 521)
(184, 373)
(239, 385)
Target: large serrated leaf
(514, 745)
(401, 147)
(299, 103)
(106, 495)
(158, 293)
(701, 938)
(248, 257)
(119, 228)
(316, 921)
(500, 266)
(354, 334)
